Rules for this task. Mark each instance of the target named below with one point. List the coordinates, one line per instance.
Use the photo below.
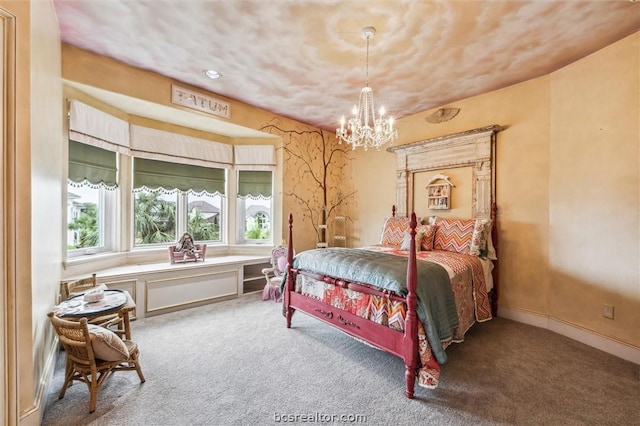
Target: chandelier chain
(367, 72)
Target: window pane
(84, 216)
(257, 218)
(205, 216)
(254, 212)
(155, 217)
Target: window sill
(91, 258)
(139, 256)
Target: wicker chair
(80, 286)
(82, 364)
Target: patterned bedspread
(471, 303)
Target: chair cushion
(282, 264)
(107, 345)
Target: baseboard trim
(605, 344)
(34, 415)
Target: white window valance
(91, 126)
(166, 146)
(255, 157)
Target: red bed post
(496, 271)
(288, 286)
(411, 323)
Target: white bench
(163, 287)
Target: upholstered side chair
(275, 274)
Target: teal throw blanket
(436, 307)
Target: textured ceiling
(306, 59)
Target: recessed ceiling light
(213, 75)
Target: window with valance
(179, 184)
(255, 206)
(95, 138)
(173, 198)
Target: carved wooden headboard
(474, 148)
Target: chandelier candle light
(364, 129)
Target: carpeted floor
(235, 363)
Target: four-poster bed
(427, 281)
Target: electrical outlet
(607, 311)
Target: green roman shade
(154, 174)
(96, 165)
(254, 183)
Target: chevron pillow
(464, 236)
(454, 235)
(428, 234)
(393, 230)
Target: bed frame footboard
(403, 345)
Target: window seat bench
(163, 287)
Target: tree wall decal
(318, 167)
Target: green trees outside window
(154, 218)
(200, 228)
(257, 228)
(157, 216)
(85, 227)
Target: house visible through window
(255, 206)
(84, 213)
(204, 211)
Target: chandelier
(364, 128)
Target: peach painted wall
(568, 189)
(594, 182)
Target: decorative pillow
(454, 235)
(490, 249)
(406, 241)
(282, 263)
(107, 345)
(428, 234)
(478, 246)
(429, 220)
(393, 230)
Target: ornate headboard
(474, 148)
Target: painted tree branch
(313, 158)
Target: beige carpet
(235, 363)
